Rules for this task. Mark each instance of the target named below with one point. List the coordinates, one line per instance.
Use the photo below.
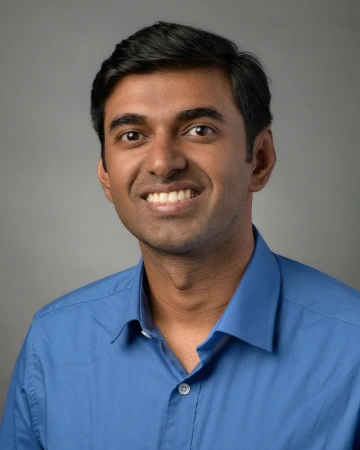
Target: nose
(165, 158)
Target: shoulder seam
(320, 313)
(42, 314)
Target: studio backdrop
(58, 232)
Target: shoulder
(317, 292)
(92, 294)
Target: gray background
(58, 232)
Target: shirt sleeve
(17, 431)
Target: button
(145, 334)
(184, 389)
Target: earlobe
(263, 161)
(104, 179)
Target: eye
(131, 136)
(200, 130)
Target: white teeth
(173, 196)
(170, 197)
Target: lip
(176, 186)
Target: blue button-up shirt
(279, 370)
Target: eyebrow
(188, 114)
(197, 113)
(127, 119)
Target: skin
(195, 250)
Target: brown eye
(131, 136)
(200, 130)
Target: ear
(264, 159)
(104, 179)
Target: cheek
(228, 173)
(122, 174)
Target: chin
(168, 248)
(173, 246)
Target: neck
(191, 291)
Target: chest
(132, 397)
(183, 345)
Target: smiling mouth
(171, 197)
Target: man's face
(175, 149)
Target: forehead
(163, 94)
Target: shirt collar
(131, 311)
(251, 313)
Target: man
(212, 341)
